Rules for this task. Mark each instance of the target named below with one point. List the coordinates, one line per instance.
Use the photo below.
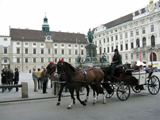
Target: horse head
(51, 67)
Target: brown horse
(78, 79)
(51, 68)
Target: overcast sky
(64, 15)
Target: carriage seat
(119, 66)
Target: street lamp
(151, 55)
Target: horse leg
(87, 88)
(60, 93)
(77, 93)
(104, 98)
(72, 98)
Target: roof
(4, 36)
(37, 35)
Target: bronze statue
(90, 36)
(104, 58)
(88, 58)
(78, 58)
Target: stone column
(24, 90)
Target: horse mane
(70, 66)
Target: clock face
(48, 38)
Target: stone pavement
(13, 96)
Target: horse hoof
(69, 107)
(104, 102)
(58, 104)
(74, 102)
(85, 100)
(83, 103)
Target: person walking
(10, 78)
(44, 79)
(4, 78)
(39, 79)
(35, 79)
(16, 78)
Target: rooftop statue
(90, 36)
(79, 58)
(88, 58)
(104, 58)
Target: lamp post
(151, 56)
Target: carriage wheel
(153, 85)
(109, 95)
(123, 92)
(136, 90)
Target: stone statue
(90, 36)
(88, 58)
(104, 58)
(79, 58)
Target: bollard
(24, 89)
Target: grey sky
(64, 15)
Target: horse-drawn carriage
(127, 78)
(124, 79)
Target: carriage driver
(117, 60)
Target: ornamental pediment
(99, 28)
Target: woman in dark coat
(4, 78)
(16, 78)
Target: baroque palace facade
(25, 48)
(136, 35)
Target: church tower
(45, 26)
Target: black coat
(16, 76)
(4, 77)
(117, 59)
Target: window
(112, 48)
(34, 51)
(26, 50)
(18, 50)
(95, 42)
(75, 45)
(144, 42)
(42, 60)
(153, 41)
(126, 56)
(26, 43)
(107, 39)
(18, 43)
(62, 51)
(69, 59)
(116, 37)
(117, 47)
(131, 25)
(81, 46)
(69, 45)
(5, 60)
(5, 39)
(76, 52)
(34, 44)
(126, 46)
(121, 37)
(55, 44)
(104, 50)
(103, 40)
(137, 32)
(126, 35)
(81, 52)
(26, 60)
(62, 45)
(42, 51)
(112, 38)
(49, 51)
(42, 44)
(69, 51)
(144, 55)
(143, 30)
(131, 55)
(152, 28)
(34, 60)
(137, 54)
(5, 50)
(55, 51)
(108, 49)
(100, 42)
(137, 43)
(132, 45)
(18, 60)
(136, 23)
(131, 33)
(121, 47)
(151, 19)
(55, 59)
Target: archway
(153, 41)
(5, 63)
(153, 56)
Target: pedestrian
(39, 78)
(4, 78)
(16, 78)
(35, 79)
(44, 79)
(10, 78)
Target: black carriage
(126, 78)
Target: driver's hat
(116, 50)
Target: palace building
(136, 35)
(25, 48)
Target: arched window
(153, 41)
(144, 42)
(137, 43)
(153, 56)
